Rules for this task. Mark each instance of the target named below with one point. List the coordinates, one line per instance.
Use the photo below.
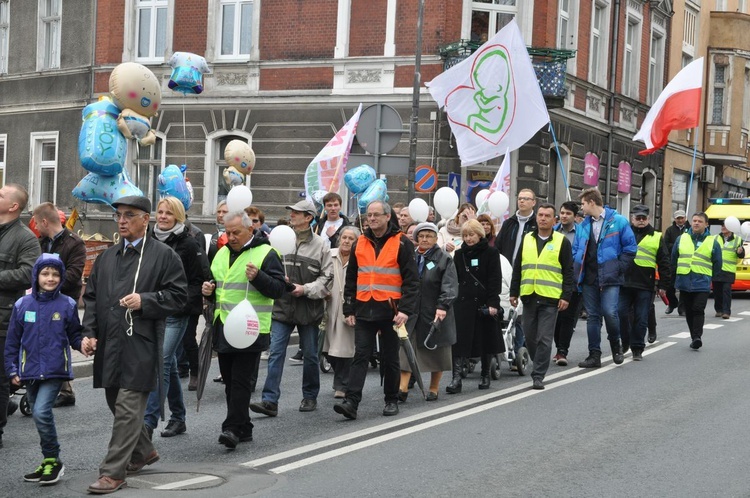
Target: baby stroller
(521, 360)
(22, 405)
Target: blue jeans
(41, 395)
(601, 302)
(633, 332)
(308, 340)
(173, 332)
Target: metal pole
(414, 122)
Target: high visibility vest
(647, 249)
(729, 254)
(232, 285)
(542, 273)
(378, 278)
(695, 260)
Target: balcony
(549, 64)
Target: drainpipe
(612, 89)
(93, 49)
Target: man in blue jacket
(603, 249)
(696, 256)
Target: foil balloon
(172, 183)
(317, 198)
(359, 179)
(97, 189)
(187, 72)
(232, 177)
(377, 191)
(101, 146)
(134, 125)
(240, 156)
(133, 86)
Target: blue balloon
(98, 189)
(359, 178)
(172, 183)
(377, 191)
(187, 72)
(101, 146)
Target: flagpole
(414, 121)
(692, 171)
(559, 160)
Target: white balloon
(283, 239)
(239, 198)
(745, 229)
(733, 224)
(445, 201)
(498, 203)
(419, 210)
(242, 326)
(481, 197)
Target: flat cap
(304, 206)
(640, 210)
(136, 201)
(425, 225)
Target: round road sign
(425, 179)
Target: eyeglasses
(127, 216)
(525, 198)
(428, 235)
(641, 218)
(375, 215)
(255, 220)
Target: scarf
(453, 228)
(163, 235)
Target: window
(236, 29)
(656, 66)
(631, 63)
(745, 101)
(563, 27)
(599, 34)
(721, 4)
(146, 168)
(43, 170)
(718, 102)
(689, 30)
(679, 190)
(151, 30)
(4, 34)
(3, 141)
(490, 16)
(742, 6)
(216, 188)
(49, 34)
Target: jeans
(566, 323)
(601, 302)
(722, 297)
(633, 331)
(365, 334)
(41, 395)
(187, 352)
(173, 332)
(539, 322)
(308, 340)
(695, 311)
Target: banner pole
(692, 171)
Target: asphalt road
(674, 424)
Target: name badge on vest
(430, 265)
(29, 316)
(550, 247)
(474, 262)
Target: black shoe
(390, 409)
(696, 344)
(347, 409)
(150, 432)
(402, 396)
(297, 358)
(594, 360)
(651, 337)
(229, 439)
(52, 472)
(64, 400)
(455, 386)
(412, 381)
(183, 374)
(36, 476)
(431, 396)
(625, 348)
(637, 354)
(484, 382)
(617, 355)
(219, 378)
(669, 310)
(308, 405)
(174, 427)
(266, 408)
(537, 384)
(246, 438)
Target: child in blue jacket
(43, 326)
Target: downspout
(94, 5)
(612, 89)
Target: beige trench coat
(339, 340)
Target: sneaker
(717, 314)
(637, 355)
(265, 355)
(651, 337)
(725, 316)
(669, 310)
(266, 408)
(308, 405)
(594, 360)
(37, 474)
(561, 360)
(52, 472)
(556, 357)
(696, 344)
(537, 384)
(297, 358)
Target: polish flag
(677, 108)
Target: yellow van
(718, 211)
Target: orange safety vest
(378, 278)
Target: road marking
(746, 313)
(681, 335)
(711, 326)
(186, 482)
(735, 319)
(522, 391)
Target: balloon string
(184, 132)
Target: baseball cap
(304, 206)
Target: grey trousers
(539, 326)
(129, 440)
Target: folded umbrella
(205, 350)
(406, 345)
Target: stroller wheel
(523, 361)
(325, 365)
(24, 406)
(495, 368)
(472, 365)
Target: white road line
(735, 319)
(525, 392)
(745, 313)
(186, 482)
(712, 326)
(681, 335)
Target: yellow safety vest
(695, 260)
(232, 284)
(729, 254)
(542, 273)
(647, 249)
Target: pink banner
(590, 169)
(624, 177)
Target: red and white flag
(677, 108)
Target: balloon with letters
(240, 156)
(242, 326)
(187, 72)
(172, 183)
(377, 191)
(359, 178)
(232, 177)
(101, 146)
(98, 189)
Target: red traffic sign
(425, 179)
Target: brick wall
(544, 31)
(367, 28)
(404, 75)
(110, 22)
(190, 26)
(441, 25)
(313, 78)
(297, 29)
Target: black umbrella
(406, 345)
(205, 350)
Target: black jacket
(333, 239)
(381, 310)
(566, 262)
(72, 251)
(639, 277)
(19, 249)
(505, 242)
(195, 264)
(671, 234)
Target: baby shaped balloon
(187, 72)
(240, 156)
(98, 189)
(136, 91)
(232, 177)
(101, 146)
(172, 183)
